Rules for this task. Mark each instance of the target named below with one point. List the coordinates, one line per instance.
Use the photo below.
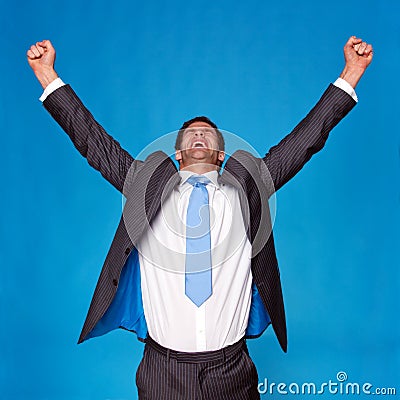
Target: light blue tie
(198, 280)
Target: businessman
(192, 268)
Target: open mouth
(199, 144)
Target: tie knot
(196, 180)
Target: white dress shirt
(172, 319)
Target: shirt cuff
(50, 88)
(344, 85)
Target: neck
(200, 169)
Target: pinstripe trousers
(227, 374)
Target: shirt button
(127, 250)
(115, 282)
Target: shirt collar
(212, 176)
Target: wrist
(46, 75)
(352, 75)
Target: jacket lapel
(243, 172)
(146, 192)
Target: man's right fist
(41, 57)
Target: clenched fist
(41, 57)
(358, 55)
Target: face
(199, 146)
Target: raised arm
(288, 157)
(101, 151)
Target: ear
(178, 155)
(221, 156)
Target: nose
(199, 133)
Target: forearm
(288, 157)
(352, 75)
(45, 75)
(101, 151)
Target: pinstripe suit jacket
(146, 182)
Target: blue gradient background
(256, 68)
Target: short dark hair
(202, 118)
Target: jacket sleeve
(287, 158)
(102, 152)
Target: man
(192, 268)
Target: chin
(199, 153)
